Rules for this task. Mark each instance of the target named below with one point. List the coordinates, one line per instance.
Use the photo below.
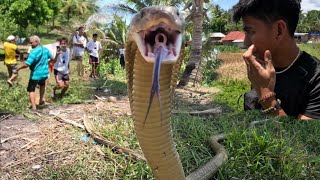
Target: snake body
(153, 54)
(152, 51)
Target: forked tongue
(160, 53)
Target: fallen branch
(99, 98)
(210, 168)
(102, 140)
(83, 102)
(68, 121)
(207, 112)
(4, 117)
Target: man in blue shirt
(39, 69)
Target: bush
(112, 67)
(13, 99)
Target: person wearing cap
(94, 48)
(39, 70)
(79, 43)
(11, 50)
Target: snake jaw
(161, 35)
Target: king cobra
(153, 54)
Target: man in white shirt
(79, 43)
(94, 47)
(61, 67)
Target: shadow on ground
(3, 76)
(109, 88)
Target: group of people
(93, 47)
(42, 60)
(285, 79)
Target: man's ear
(281, 29)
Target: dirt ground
(33, 140)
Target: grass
(77, 93)
(230, 95)
(286, 150)
(272, 151)
(13, 100)
(313, 49)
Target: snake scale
(153, 54)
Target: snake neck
(155, 135)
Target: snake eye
(142, 14)
(178, 13)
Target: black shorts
(11, 67)
(33, 84)
(61, 77)
(122, 62)
(93, 60)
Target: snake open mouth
(161, 35)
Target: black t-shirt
(298, 88)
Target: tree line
(23, 16)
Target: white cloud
(307, 5)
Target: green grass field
(281, 149)
(77, 92)
(313, 49)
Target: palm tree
(115, 36)
(196, 16)
(134, 6)
(78, 7)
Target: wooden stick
(102, 140)
(207, 112)
(5, 117)
(68, 121)
(31, 142)
(99, 98)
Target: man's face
(63, 45)
(262, 35)
(33, 43)
(94, 38)
(81, 31)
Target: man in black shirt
(287, 80)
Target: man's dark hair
(64, 39)
(269, 11)
(95, 35)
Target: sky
(306, 5)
